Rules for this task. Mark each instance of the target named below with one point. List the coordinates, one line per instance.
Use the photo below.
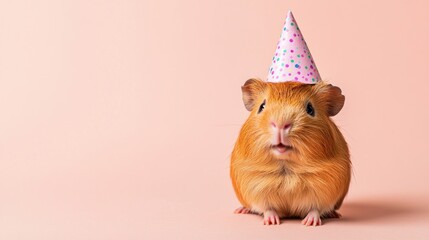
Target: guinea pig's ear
(251, 89)
(333, 97)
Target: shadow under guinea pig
(387, 210)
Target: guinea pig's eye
(261, 108)
(309, 109)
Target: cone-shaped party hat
(292, 60)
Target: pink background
(118, 117)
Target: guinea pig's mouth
(281, 148)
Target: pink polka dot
(284, 75)
(289, 74)
(291, 40)
(272, 72)
(277, 77)
(296, 78)
(291, 51)
(294, 34)
(281, 69)
(287, 65)
(298, 72)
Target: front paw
(242, 210)
(271, 218)
(312, 219)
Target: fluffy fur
(315, 175)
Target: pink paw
(271, 218)
(312, 219)
(242, 210)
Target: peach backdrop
(118, 117)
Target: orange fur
(316, 173)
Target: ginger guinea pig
(290, 159)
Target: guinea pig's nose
(284, 126)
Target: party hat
(292, 60)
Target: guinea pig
(290, 159)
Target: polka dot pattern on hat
(292, 60)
